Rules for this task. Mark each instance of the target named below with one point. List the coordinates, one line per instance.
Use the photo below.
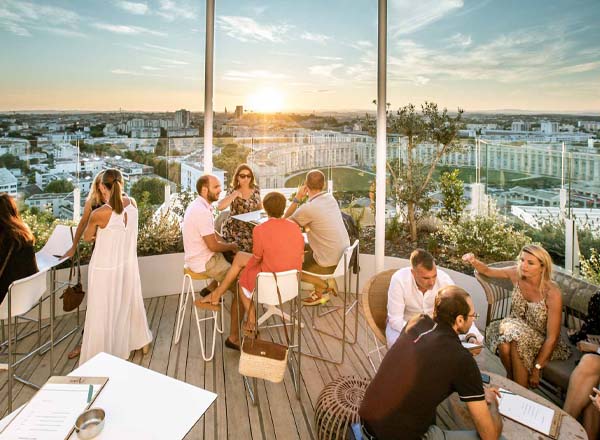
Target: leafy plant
(453, 191)
(489, 237)
(590, 267)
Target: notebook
(529, 413)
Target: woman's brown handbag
(73, 295)
(265, 359)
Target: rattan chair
(374, 302)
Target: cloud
(361, 44)
(408, 16)
(460, 40)
(151, 68)
(133, 7)
(173, 62)
(320, 57)
(127, 30)
(247, 29)
(247, 75)
(23, 17)
(318, 38)
(324, 70)
(126, 72)
(167, 49)
(172, 10)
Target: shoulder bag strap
(281, 305)
(72, 268)
(12, 246)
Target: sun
(265, 100)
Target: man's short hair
(450, 302)
(274, 204)
(202, 182)
(315, 180)
(420, 257)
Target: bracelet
(296, 201)
(598, 350)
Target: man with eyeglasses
(426, 365)
(412, 292)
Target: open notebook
(52, 411)
(529, 413)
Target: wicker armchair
(576, 295)
(374, 303)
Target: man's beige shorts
(217, 267)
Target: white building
(13, 146)
(548, 127)
(49, 202)
(589, 125)
(65, 151)
(183, 118)
(192, 171)
(8, 182)
(145, 132)
(518, 126)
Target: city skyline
(281, 56)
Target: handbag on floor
(265, 359)
(73, 295)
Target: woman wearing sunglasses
(243, 196)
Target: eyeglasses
(244, 176)
(474, 316)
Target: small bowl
(90, 423)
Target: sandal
(74, 353)
(232, 345)
(332, 286)
(315, 300)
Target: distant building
(589, 125)
(183, 132)
(48, 202)
(8, 182)
(239, 111)
(548, 127)
(192, 171)
(145, 132)
(183, 118)
(519, 126)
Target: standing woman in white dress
(115, 320)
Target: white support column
(208, 85)
(76, 203)
(380, 195)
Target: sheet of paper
(526, 412)
(470, 346)
(51, 413)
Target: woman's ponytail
(113, 180)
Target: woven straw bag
(265, 359)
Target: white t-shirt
(198, 222)
(405, 300)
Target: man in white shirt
(203, 252)
(412, 292)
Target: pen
(90, 392)
(507, 392)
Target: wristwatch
(538, 367)
(296, 201)
(598, 350)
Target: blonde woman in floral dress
(530, 336)
(243, 196)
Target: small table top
(569, 428)
(255, 217)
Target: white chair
(22, 296)
(187, 290)
(343, 269)
(265, 293)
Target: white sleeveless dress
(115, 320)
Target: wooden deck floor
(279, 414)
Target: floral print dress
(236, 230)
(527, 326)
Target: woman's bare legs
(504, 352)
(520, 373)
(247, 307)
(239, 262)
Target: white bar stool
(187, 290)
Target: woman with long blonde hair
(94, 201)
(115, 320)
(529, 337)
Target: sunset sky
(286, 55)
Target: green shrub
(160, 235)
(490, 238)
(393, 228)
(452, 189)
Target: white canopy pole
(380, 195)
(208, 85)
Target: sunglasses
(244, 176)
